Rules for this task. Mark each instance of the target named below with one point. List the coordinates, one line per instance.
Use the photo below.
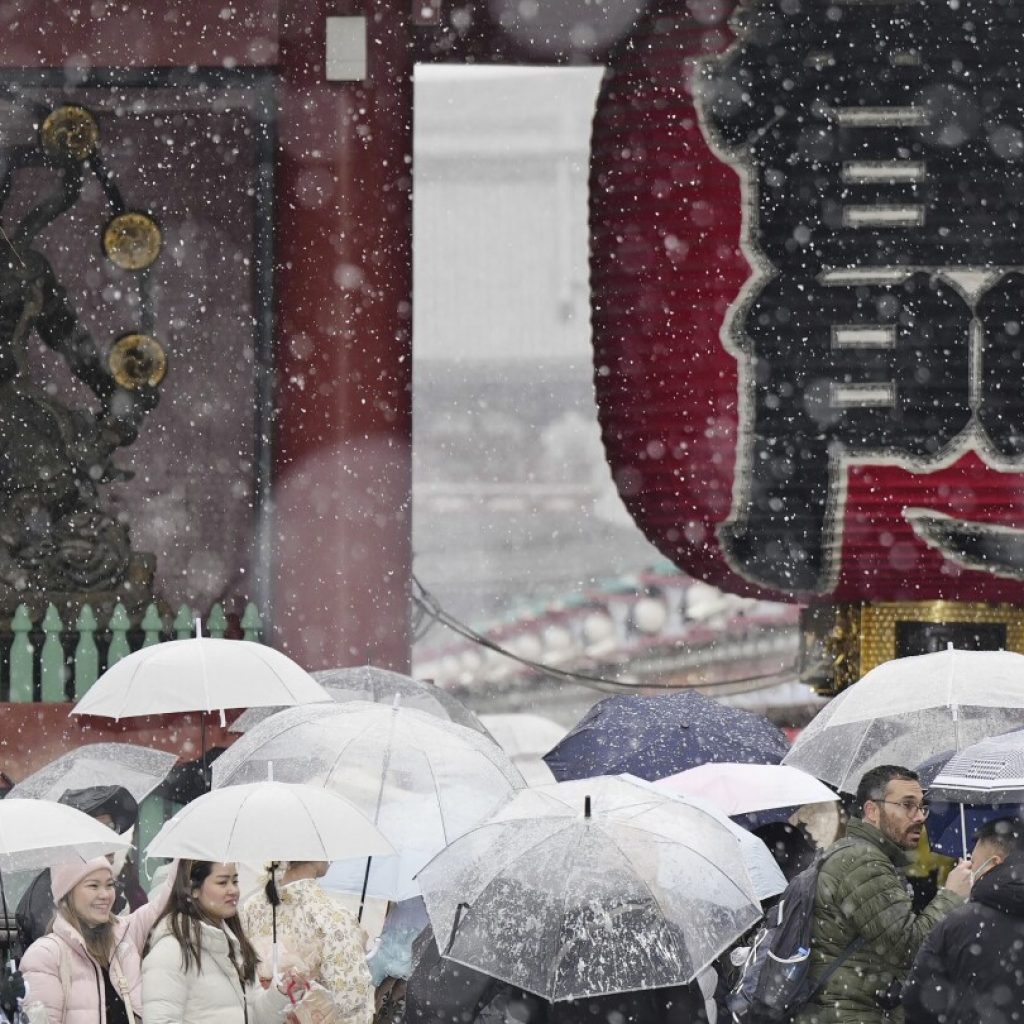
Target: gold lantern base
(840, 643)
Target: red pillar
(343, 431)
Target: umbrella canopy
(744, 788)
(422, 780)
(763, 872)
(268, 821)
(909, 709)
(652, 737)
(989, 772)
(377, 686)
(41, 833)
(139, 770)
(200, 674)
(945, 825)
(642, 892)
(526, 738)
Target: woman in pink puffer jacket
(88, 969)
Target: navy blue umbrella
(653, 737)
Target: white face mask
(977, 873)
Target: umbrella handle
(362, 895)
(455, 927)
(3, 904)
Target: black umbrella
(115, 801)
(189, 780)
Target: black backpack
(775, 976)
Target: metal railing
(52, 661)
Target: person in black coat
(970, 969)
(791, 845)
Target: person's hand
(294, 984)
(959, 880)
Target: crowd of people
(196, 953)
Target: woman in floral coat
(317, 936)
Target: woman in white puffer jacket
(200, 968)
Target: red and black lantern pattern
(808, 295)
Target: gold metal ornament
(70, 131)
(841, 643)
(137, 360)
(132, 240)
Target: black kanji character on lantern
(837, 374)
(880, 143)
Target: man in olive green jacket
(862, 896)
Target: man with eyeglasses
(864, 918)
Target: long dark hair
(276, 867)
(185, 920)
(270, 889)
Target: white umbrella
(745, 788)
(421, 779)
(526, 739)
(137, 769)
(910, 709)
(612, 886)
(266, 821)
(200, 674)
(41, 833)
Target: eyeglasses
(910, 807)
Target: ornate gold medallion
(70, 131)
(137, 360)
(132, 241)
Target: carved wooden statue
(55, 457)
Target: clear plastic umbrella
(907, 710)
(378, 686)
(568, 893)
(422, 780)
(526, 739)
(621, 793)
(137, 769)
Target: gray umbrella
(139, 770)
(378, 686)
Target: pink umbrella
(745, 788)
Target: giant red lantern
(808, 314)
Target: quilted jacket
(861, 893)
(45, 975)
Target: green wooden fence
(52, 661)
